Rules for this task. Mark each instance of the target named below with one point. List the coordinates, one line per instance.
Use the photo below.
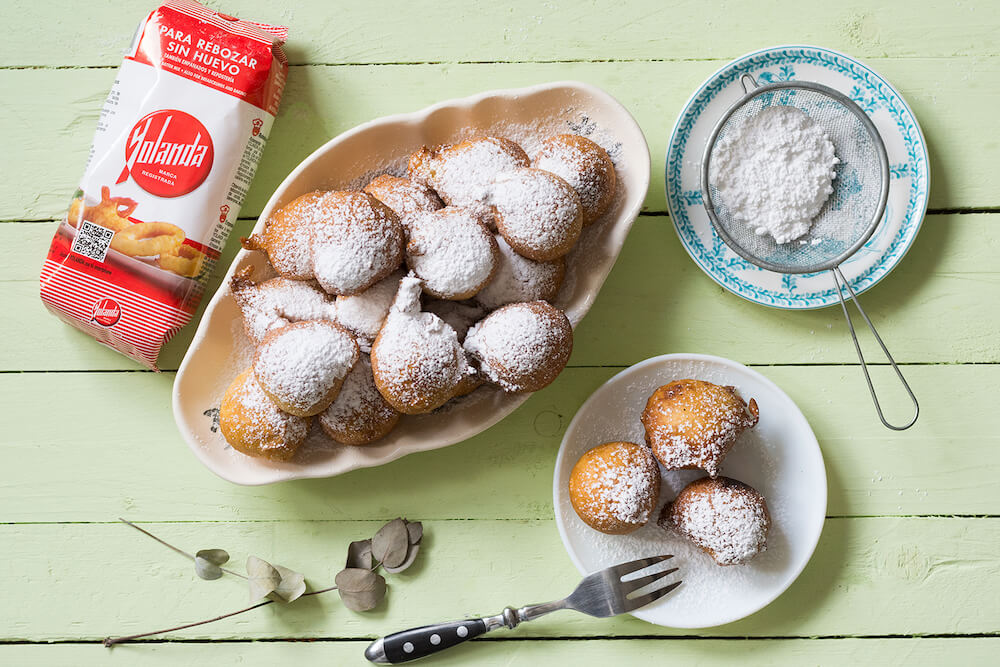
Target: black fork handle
(424, 641)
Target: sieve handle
(749, 83)
(838, 278)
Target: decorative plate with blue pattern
(908, 167)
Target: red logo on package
(168, 153)
(107, 312)
(223, 213)
(257, 124)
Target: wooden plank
(908, 651)
(108, 442)
(56, 110)
(656, 300)
(929, 572)
(53, 344)
(397, 31)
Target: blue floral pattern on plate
(908, 189)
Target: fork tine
(625, 569)
(636, 584)
(643, 600)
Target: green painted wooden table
(907, 568)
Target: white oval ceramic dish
(780, 458)
(527, 115)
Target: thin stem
(111, 641)
(180, 551)
(235, 574)
(166, 544)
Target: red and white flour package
(177, 144)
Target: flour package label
(177, 144)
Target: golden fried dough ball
(452, 252)
(417, 360)
(462, 173)
(252, 423)
(537, 213)
(359, 415)
(278, 302)
(725, 518)
(522, 346)
(302, 366)
(694, 424)
(585, 166)
(403, 196)
(365, 312)
(614, 487)
(519, 279)
(287, 236)
(357, 241)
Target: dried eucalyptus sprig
(393, 548)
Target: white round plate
(779, 457)
(908, 167)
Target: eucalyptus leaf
(207, 562)
(411, 556)
(290, 588)
(263, 577)
(360, 589)
(415, 531)
(359, 554)
(391, 542)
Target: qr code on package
(92, 241)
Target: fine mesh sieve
(848, 218)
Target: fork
(600, 594)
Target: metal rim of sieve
(850, 105)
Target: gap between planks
(208, 522)
(555, 61)
(567, 638)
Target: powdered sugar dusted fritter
(277, 302)
(538, 213)
(459, 315)
(614, 487)
(403, 196)
(585, 166)
(452, 252)
(254, 425)
(352, 245)
(359, 415)
(462, 173)
(471, 381)
(417, 360)
(302, 366)
(288, 235)
(523, 346)
(724, 517)
(694, 424)
(364, 313)
(357, 241)
(520, 279)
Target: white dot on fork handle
(435, 639)
(407, 647)
(462, 631)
